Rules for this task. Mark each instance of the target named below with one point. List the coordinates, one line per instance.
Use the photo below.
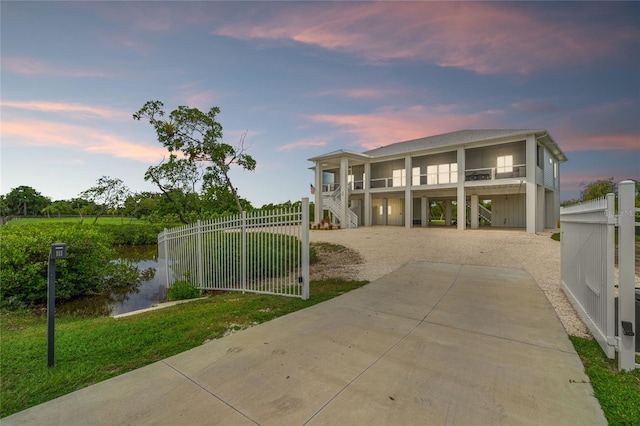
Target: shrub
(87, 270)
(182, 290)
(131, 234)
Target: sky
(305, 78)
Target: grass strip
(90, 350)
(618, 392)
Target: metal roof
(460, 137)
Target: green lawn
(90, 350)
(618, 393)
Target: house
(517, 170)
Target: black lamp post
(57, 251)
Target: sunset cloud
(71, 109)
(304, 143)
(193, 95)
(362, 93)
(38, 133)
(389, 125)
(603, 126)
(577, 140)
(486, 38)
(32, 66)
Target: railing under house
(587, 269)
(258, 252)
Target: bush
(132, 234)
(88, 268)
(182, 290)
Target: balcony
(492, 173)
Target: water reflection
(144, 294)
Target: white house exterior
(518, 170)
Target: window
(399, 177)
(505, 164)
(540, 157)
(442, 173)
(415, 178)
(555, 170)
(432, 175)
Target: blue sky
(306, 78)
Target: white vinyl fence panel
(588, 260)
(259, 252)
(587, 239)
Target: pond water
(147, 293)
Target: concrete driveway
(430, 343)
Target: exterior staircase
(483, 212)
(333, 203)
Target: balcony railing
(492, 173)
(487, 173)
(382, 182)
(330, 187)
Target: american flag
(313, 189)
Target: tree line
(193, 181)
(154, 207)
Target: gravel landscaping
(384, 249)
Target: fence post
(610, 263)
(199, 235)
(626, 285)
(166, 255)
(244, 251)
(305, 248)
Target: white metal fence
(588, 262)
(259, 252)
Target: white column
(318, 209)
(461, 197)
(367, 195)
(447, 212)
(424, 212)
(344, 192)
(385, 211)
(475, 223)
(540, 208)
(532, 193)
(408, 198)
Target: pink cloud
(486, 38)
(575, 139)
(78, 138)
(71, 109)
(191, 94)
(578, 181)
(601, 127)
(389, 125)
(362, 93)
(31, 66)
(304, 143)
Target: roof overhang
(545, 138)
(333, 158)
